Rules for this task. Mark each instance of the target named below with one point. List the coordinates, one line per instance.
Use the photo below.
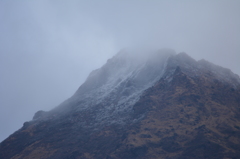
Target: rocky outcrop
(39, 114)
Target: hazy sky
(47, 48)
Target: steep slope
(158, 106)
(190, 115)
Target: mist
(48, 48)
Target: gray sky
(47, 48)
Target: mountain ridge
(183, 108)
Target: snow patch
(113, 89)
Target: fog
(48, 48)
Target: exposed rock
(39, 114)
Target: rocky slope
(160, 105)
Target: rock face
(162, 105)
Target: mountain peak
(119, 84)
(148, 104)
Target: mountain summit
(139, 106)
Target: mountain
(139, 106)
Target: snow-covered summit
(124, 65)
(116, 86)
(111, 91)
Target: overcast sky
(47, 48)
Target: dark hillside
(191, 112)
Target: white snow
(111, 91)
(118, 85)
